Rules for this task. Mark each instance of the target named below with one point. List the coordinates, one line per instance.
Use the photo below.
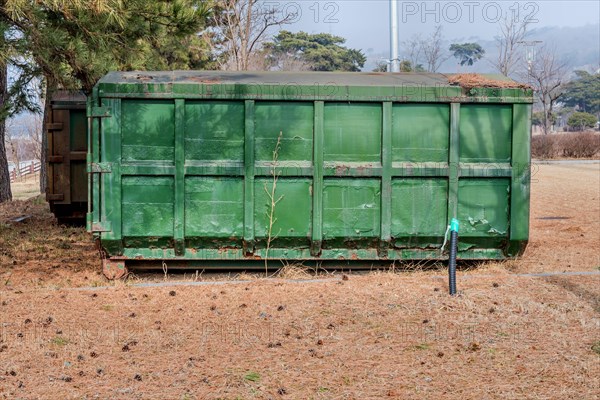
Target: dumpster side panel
(214, 208)
(421, 132)
(147, 206)
(148, 131)
(521, 179)
(351, 209)
(352, 133)
(59, 158)
(146, 141)
(419, 211)
(66, 130)
(78, 124)
(214, 130)
(235, 177)
(292, 211)
(483, 212)
(294, 121)
(485, 133)
(78, 139)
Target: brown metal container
(66, 128)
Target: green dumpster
(209, 165)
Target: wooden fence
(30, 167)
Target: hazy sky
(365, 23)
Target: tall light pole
(394, 60)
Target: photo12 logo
(468, 11)
(325, 12)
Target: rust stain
(144, 77)
(201, 79)
(341, 170)
(225, 249)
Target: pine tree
(70, 44)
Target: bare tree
(13, 145)
(547, 76)
(381, 66)
(23, 139)
(413, 48)
(288, 62)
(512, 32)
(433, 52)
(32, 130)
(242, 26)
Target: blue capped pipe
(452, 260)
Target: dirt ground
(67, 333)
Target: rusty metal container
(186, 166)
(66, 129)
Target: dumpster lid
(68, 97)
(307, 78)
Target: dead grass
(26, 187)
(471, 80)
(566, 145)
(565, 219)
(296, 271)
(38, 252)
(370, 335)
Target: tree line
(575, 94)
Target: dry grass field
(66, 333)
(26, 187)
